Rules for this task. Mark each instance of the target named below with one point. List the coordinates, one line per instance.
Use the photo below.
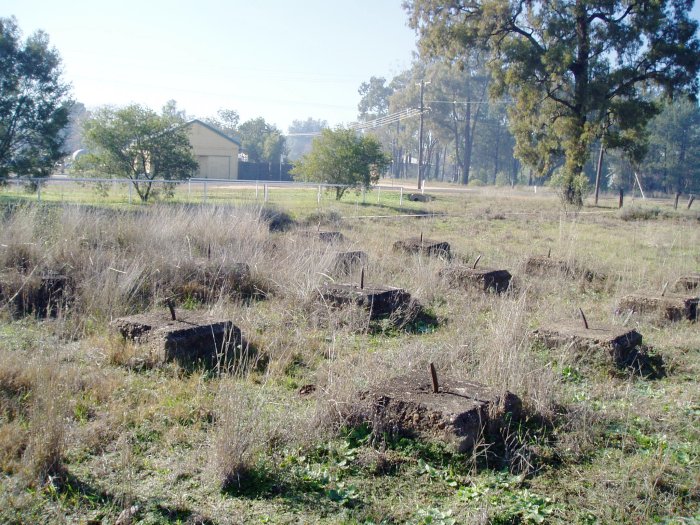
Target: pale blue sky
(281, 60)
(277, 59)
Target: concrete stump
(545, 267)
(460, 414)
(193, 338)
(420, 197)
(668, 307)
(206, 280)
(380, 301)
(345, 263)
(42, 296)
(51, 294)
(687, 283)
(480, 279)
(423, 246)
(618, 345)
(329, 237)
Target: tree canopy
(576, 70)
(673, 157)
(136, 143)
(227, 121)
(301, 144)
(34, 103)
(343, 157)
(262, 142)
(466, 135)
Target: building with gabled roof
(216, 152)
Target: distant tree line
(529, 90)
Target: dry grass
(139, 432)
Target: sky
(281, 60)
(277, 59)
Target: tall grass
(232, 427)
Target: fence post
(130, 185)
(401, 197)
(38, 192)
(379, 192)
(189, 190)
(205, 191)
(318, 195)
(265, 193)
(364, 191)
(256, 189)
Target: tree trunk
(457, 140)
(437, 164)
(575, 144)
(598, 170)
(467, 144)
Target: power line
(386, 119)
(372, 124)
(466, 102)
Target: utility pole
(420, 138)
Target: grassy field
(94, 430)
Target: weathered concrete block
(617, 344)
(43, 295)
(193, 338)
(423, 246)
(687, 283)
(205, 280)
(460, 414)
(329, 237)
(380, 301)
(420, 197)
(345, 263)
(667, 307)
(481, 279)
(543, 266)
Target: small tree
(262, 142)
(138, 144)
(34, 103)
(342, 157)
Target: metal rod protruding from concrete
(362, 278)
(434, 379)
(583, 318)
(663, 290)
(476, 262)
(171, 307)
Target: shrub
(503, 179)
(638, 213)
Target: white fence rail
(199, 190)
